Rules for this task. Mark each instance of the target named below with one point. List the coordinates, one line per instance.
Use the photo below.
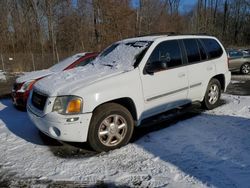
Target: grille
(38, 100)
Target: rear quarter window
(213, 48)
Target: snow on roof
(56, 68)
(66, 62)
(144, 38)
(162, 36)
(33, 75)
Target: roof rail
(160, 33)
(197, 34)
(171, 34)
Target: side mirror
(156, 66)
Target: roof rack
(171, 34)
(160, 33)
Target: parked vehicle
(239, 61)
(24, 83)
(129, 82)
(246, 51)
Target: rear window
(213, 48)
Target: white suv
(130, 81)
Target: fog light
(72, 119)
(54, 131)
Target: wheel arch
(221, 79)
(126, 102)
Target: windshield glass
(122, 55)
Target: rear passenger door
(166, 88)
(200, 70)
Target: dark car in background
(238, 61)
(23, 84)
(246, 51)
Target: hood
(66, 82)
(33, 75)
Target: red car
(23, 84)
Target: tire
(245, 68)
(212, 95)
(111, 127)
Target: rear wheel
(212, 95)
(245, 68)
(111, 127)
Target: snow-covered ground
(2, 76)
(199, 149)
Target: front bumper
(60, 127)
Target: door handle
(181, 75)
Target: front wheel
(212, 96)
(111, 127)
(245, 68)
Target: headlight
(27, 85)
(68, 105)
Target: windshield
(123, 55)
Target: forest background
(35, 34)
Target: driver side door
(167, 88)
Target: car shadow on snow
(213, 149)
(19, 124)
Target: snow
(122, 57)
(199, 149)
(62, 82)
(66, 62)
(2, 76)
(119, 59)
(56, 68)
(28, 76)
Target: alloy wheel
(112, 130)
(213, 94)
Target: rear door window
(202, 50)
(212, 47)
(192, 50)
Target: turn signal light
(74, 106)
